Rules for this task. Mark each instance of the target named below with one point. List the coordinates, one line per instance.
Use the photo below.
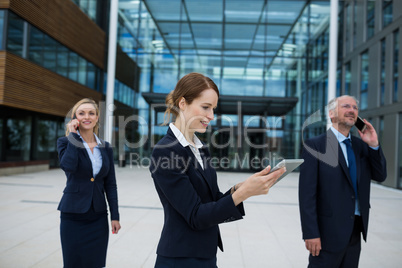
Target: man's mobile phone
(360, 124)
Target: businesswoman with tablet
(187, 183)
(89, 167)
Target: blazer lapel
(86, 156)
(198, 167)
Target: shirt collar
(180, 137)
(98, 141)
(339, 136)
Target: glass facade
(47, 131)
(274, 48)
(45, 51)
(381, 130)
(355, 19)
(370, 18)
(2, 37)
(396, 67)
(15, 34)
(387, 6)
(27, 136)
(18, 136)
(399, 168)
(264, 48)
(364, 80)
(382, 70)
(347, 79)
(89, 7)
(348, 28)
(2, 139)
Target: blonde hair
(188, 87)
(75, 108)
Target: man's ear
(182, 103)
(332, 115)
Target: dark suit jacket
(326, 195)
(81, 188)
(192, 202)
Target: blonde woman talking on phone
(88, 164)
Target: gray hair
(333, 104)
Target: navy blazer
(326, 195)
(81, 188)
(192, 203)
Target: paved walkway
(269, 236)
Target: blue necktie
(352, 168)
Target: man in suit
(334, 187)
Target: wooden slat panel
(65, 22)
(4, 3)
(2, 71)
(31, 87)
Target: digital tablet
(290, 164)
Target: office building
(269, 59)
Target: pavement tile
(268, 236)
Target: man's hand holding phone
(360, 124)
(369, 135)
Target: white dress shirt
(198, 144)
(96, 156)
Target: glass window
(116, 89)
(347, 78)
(355, 17)
(370, 18)
(62, 60)
(18, 139)
(49, 53)
(341, 22)
(61, 131)
(400, 153)
(387, 6)
(46, 139)
(382, 79)
(82, 70)
(88, 7)
(91, 78)
(92, 9)
(364, 79)
(338, 82)
(35, 46)
(396, 69)
(15, 35)
(381, 130)
(1, 138)
(2, 12)
(73, 65)
(348, 26)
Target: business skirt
(84, 239)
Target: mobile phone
(75, 117)
(360, 124)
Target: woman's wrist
(238, 197)
(233, 189)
